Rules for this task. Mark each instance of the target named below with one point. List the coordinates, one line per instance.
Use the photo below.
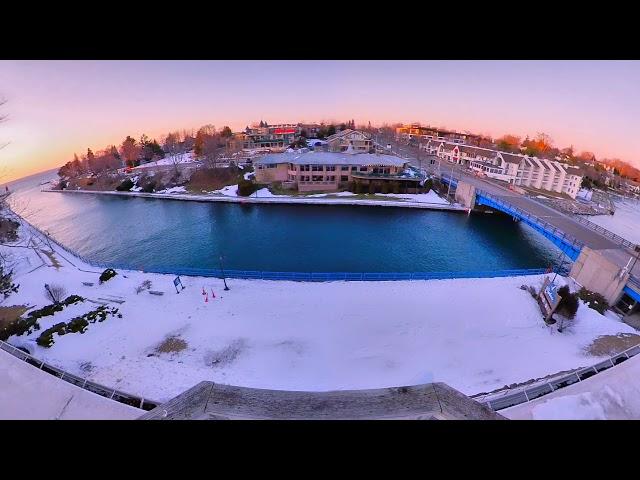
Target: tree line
(207, 142)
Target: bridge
(569, 234)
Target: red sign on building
(284, 131)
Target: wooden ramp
(431, 401)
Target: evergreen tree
(226, 132)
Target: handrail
(499, 401)
(107, 392)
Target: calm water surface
(150, 233)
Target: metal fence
(606, 233)
(110, 393)
(501, 401)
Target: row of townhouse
(512, 168)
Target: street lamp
(223, 278)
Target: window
(344, 168)
(316, 168)
(304, 168)
(354, 168)
(332, 178)
(316, 178)
(331, 168)
(344, 178)
(363, 169)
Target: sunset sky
(56, 108)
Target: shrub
(7, 287)
(568, 306)
(351, 187)
(77, 325)
(428, 185)
(46, 338)
(108, 274)
(72, 299)
(54, 292)
(358, 188)
(385, 187)
(246, 187)
(593, 300)
(125, 186)
(149, 186)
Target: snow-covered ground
(625, 222)
(170, 160)
(473, 334)
(431, 197)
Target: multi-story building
(349, 140)
(273, 137)
(420, 133)
(516, 169)
(329, 171)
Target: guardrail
(502, 401)
(534, 220)
(605, 232)
(110, 393)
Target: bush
(108, 274)
(593, 300)
(7, 287)
(72, 299)
(149, 186)
(428, 185)
(246, 187)
(125, 186)
(385, 187)
(77, 325)
(46, 338)
(568, 306)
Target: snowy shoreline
(302, 336)
(273, 200)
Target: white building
(512, 168)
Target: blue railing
(567, 243)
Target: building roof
(345, 132)
(332, 158)
(483, 152)
(511, 158)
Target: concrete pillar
(596, 273)
(466, 194)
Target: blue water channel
(161, 234)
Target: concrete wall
(598, 274)
(268, 175)
(466, 194)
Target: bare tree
(55, 292)
(212, 150)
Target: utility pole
(223, 277)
